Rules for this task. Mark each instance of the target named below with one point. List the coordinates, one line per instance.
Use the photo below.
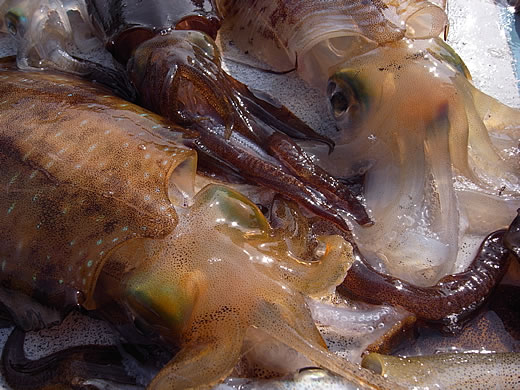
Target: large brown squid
(100, 212)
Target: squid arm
(234, 125)
(450, 301)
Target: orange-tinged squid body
(439, 158)
(99, 211)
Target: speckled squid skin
(313, 36)
(98, 209)
(81, 174)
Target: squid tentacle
(178, 74)
(300, 164)
(275, 115)
(309, 342)
(185, 68)
(258, 170)
(213, 357)
(450, 302)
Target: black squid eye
(344, 102)
(339, 103)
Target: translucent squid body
(440, 159)
(28, 21)
(100, 212)
(56, 34)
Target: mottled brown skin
(495, 328)
(126, 25)
(178, 75)
(74, 155)
(98, 190)
(173, 68)
(271, 30)
(242, 131)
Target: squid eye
(343, 102)
(339, 103)
(14, 21)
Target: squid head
(433, 149)
(221, 272)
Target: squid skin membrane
(315, 36)
(351, 330)
(450, 302)
(101, 213)
(450, 371)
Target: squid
(438, 159)
(167, 61)
(200, 95)
(443, 156)
(449, 371)
(470, 371)
(53, 34)
(103, 211)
